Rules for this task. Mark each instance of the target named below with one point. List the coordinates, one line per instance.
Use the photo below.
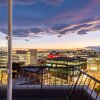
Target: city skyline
(58, 24)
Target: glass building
(67, 62)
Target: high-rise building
(33, 56)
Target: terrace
(51, 83)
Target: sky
(57, 24)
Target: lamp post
(9, 67)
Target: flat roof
(35, 70)
(67, 59)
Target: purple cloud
(82, 32)
(58, 30)
(50, 20)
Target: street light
(9, 37)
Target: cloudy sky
(52, 23)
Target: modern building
(93, 63)
(3, 58)
(33, 56)
(93, 66)
(67, 61)
(24, 57)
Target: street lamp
(9, 38)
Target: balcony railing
(74, 83)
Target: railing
(78, 84)
(89, 84)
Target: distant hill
(95, 48)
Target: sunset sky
(52, 23)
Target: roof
(67, 59)
(35, 70)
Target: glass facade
(81, 63)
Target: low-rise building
(3, 58)
(67, 61)
(24, 57)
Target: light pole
(9, 67)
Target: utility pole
(9, 37)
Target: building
(3, 58)
(93, 66)
(36, 73)
(67, 61)
(54, 54)
(21, 56)
(33, 56)
(24, 57)
(42, 56)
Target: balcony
(50, 83)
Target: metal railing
(86, 87)
(78, 84)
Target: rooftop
(67, 59)
(58, 83)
